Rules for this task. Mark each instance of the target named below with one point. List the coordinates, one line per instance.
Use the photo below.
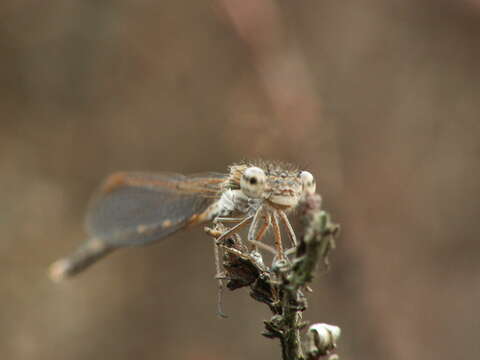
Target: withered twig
(282, 285)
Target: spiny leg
(253, 227)
(234, 229)
(219, 276)
(228, 219)
(277, 236)
(255, 239)
(290, 232)
(267, 221)
(220, 234)
(216, 233)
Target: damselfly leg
(277, 235)
(288, 226)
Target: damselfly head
(281, 185)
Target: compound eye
(308, 182)
(253, 182)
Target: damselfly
(132, 209)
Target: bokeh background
(378, 98)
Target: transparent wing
(133, 209)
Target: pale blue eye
(308, 182)
(253, 182)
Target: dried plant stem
(282, 285)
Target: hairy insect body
(231, 202)
(133, 209)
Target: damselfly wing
(132, 209)
(137, 208)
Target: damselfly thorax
(132, 209)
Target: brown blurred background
(379, 99)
